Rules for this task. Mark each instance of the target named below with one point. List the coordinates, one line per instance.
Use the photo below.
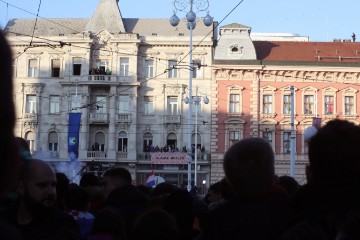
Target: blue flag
(73, 135)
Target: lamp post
(191, 5)
(196, 100)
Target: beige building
(127, 78)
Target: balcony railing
(99, 117)
(121, 155)
(96, 154)
(145, 156)
(30, 116)
(172, 119)
(46, 154)
(102, 78)
(123, 118)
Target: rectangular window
(329, 105)
(172, 105)
(123, 103)
(124, 67)
(30, 104)
(286, 142)
(267, 104)
(287, 104)
(349, 105)
(234, 136)
(33, 68)
(55, 68)
(172, 71)
(54, 104)
(100, 104)
(148, 105)
(308, 104)
(77, 66)
(149, 71)
(197, 69)
(122, 144)
(234, 105)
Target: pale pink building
(251, 92)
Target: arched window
(53, 141)
(171, 139)
(30, 137)
(148, 142)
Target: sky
(318, 19)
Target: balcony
(48, 155)
(102, 78)
(98, 118)
(123, 118)
(121, 155)
(172, 119)
(96, 155)
(32, 117)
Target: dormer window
(235, 49)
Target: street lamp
(195, 100)
(191, 5)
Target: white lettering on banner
(168, 158)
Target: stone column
(84, 130)
(112, 130)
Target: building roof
(106, 16)
(348, 52)
(235, 25)
(143, 27)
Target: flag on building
(150, 182)
(73, 135)
(316, 122)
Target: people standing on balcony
(108, 71)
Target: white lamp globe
(309, 133)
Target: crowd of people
(251, 202)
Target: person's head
(249, 166)
(76, 198)
(164, 227)
(290, 185)
(8, 148)
(89, 180)
(334, 153)
(37, 186)
(214, 193)
(116, 177)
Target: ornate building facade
(127, 78)
(251, 92)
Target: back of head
(334, 153)
(249, 166)
(156, 224)
(89, 180)
(8, 147)
(120, 174)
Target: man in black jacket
(327, 207)
(260, 210)
(36, 215)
